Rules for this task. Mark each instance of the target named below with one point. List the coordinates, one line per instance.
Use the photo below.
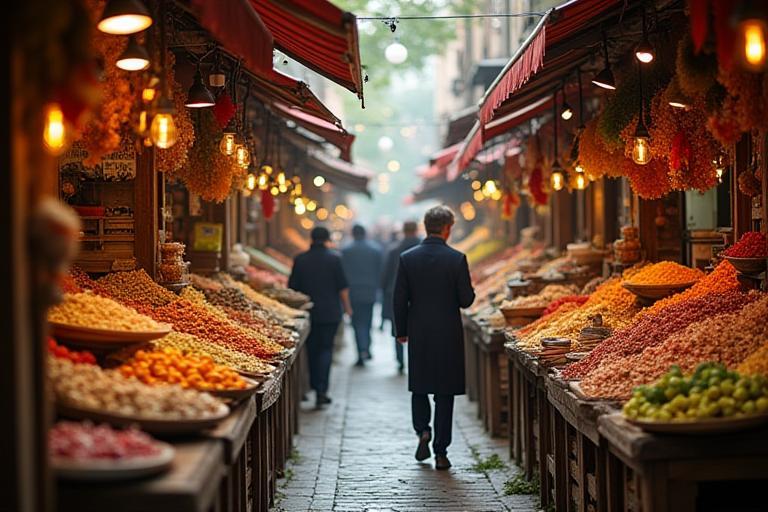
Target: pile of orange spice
(666, 272)
(170, 366)
(722, 279)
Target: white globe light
(396, 53)
(385, 143)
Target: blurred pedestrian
(432, 285)
(362, 266)
(410, 240)
(319, 273)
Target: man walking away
(432, 284)
(319, 274)
(410, 240)
(362, 265)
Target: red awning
(564, 39)
(238, 28)
(332, 133)
(317, 34)
(558, 25)
(275, 88)
(339, 172)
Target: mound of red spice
(752, 244)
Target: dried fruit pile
(220, 354)
(86, 441)
(728, 339)
(549, 293)
(62, 352)
(89, 387)
(555, 304)
(611, 300)
(752, 244)
(170, 366)
(90, 310)
(135, 287)
(665, 273)
(722, 279)
(653, 329)
(710, 392)
(191, 318)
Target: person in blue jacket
(362, 266)
(318, 273)
(432, 285)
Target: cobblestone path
(357, 454)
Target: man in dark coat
(432, 284)
(409, 241)
(362, 266)
(319, 274)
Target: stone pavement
(357, 454)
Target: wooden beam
(145, 212)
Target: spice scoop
(556, 342)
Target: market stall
(637, 381)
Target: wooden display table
(661, 473)
(233, 467)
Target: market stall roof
(317, 34)
(275, 88)
(438, 162)
(341, 173)
(459, 124)
(332, 133)
(565, 38)
(235, 24)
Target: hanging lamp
(566, 112)
(557, 177)
(750, 19)
(134, 57)
(198, 95)
(123, 17)
(641, 147)
(644, 51)
(605, 77)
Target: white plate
(113, 469)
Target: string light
(581, 182)
(641, 147)
(749, 18)
(318, 181)
(163, 130)
(393, 166)
(322, 214)
(227, 145)
(557, 180)
(476, 185)
(251, 182)
(644, 51)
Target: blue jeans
(362, 319)
(320, 354)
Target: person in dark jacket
(362, 266)
(432, 285)
(410, 240)
(318, 273)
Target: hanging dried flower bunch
(173, 159)
(103, 133)
(597, 160)
(650, 181)
(209, 173)
(696, 72)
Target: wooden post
(145, 212)
(741, 204)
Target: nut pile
(135, 287)
(666, 273)
(728, 339)
(555, 304)
(253, 321)
(654, 328)
(752, 244)
(220, 354)
(86, 441)
(170, 366)
(89, 310)
(204, 283)
(722, 279)
(548, 294)
(195, 319)
(287, 296)
(89, 387)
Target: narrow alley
(358, 453)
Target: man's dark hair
(358, 232)
(320, 234)
(437, 218)
(410, 228)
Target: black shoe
(442, 462)
(400, 369)
(422, 452)
(367, 356)
(360, 363)
(323, 399)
